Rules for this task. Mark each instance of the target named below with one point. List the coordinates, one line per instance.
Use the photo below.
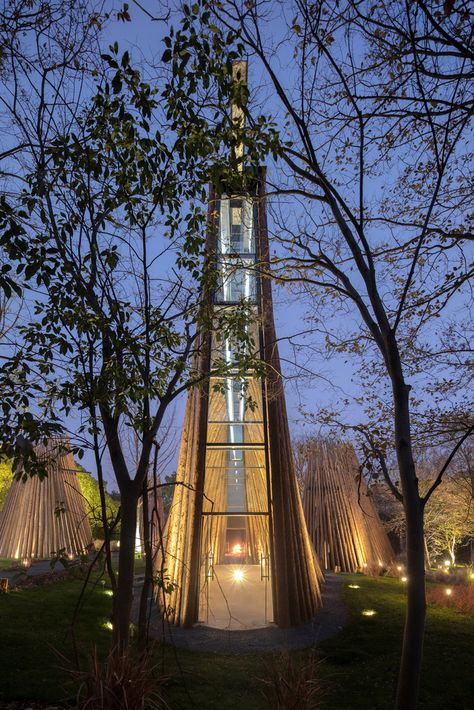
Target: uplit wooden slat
(29, 525)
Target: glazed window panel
(227, 400)
(235, 480)
(234, 540)
(237, 280)
(236, 234)
(219, 432)
(227, 350)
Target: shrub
(292, 686)
(125, 681)
(461, 597)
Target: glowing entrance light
(237, 549)
(238, 575)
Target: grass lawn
(34, 627)
(6, 563)
(358, 670)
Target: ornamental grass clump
(126, 680)
(290, 685)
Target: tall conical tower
(237, 553)
(43, 517)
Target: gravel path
(39, 567)
(328, 622)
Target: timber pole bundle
(43, 517)
(236, 505)
(342, 520)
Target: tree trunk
(427, 553)
(148, 581)
(412, 651)
(452, 553)
(124, 594)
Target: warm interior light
(380, 564)
(237, 549)
(399, 568)
(369, 612)
(449, 591)
(238, 575)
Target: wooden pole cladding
(342, 520)
(297, 573)
(42, 517)
(237, 500)
(270, 480)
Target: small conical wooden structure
(237, 553)
(40, 518)
(342, 520)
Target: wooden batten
(239, 76)
(342, 520)
(42, 517)
(296, 573)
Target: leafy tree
(448, 521)
(90, 489)
(6, 476)
(114, 224)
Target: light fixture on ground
(368, 612)
(238, 575)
